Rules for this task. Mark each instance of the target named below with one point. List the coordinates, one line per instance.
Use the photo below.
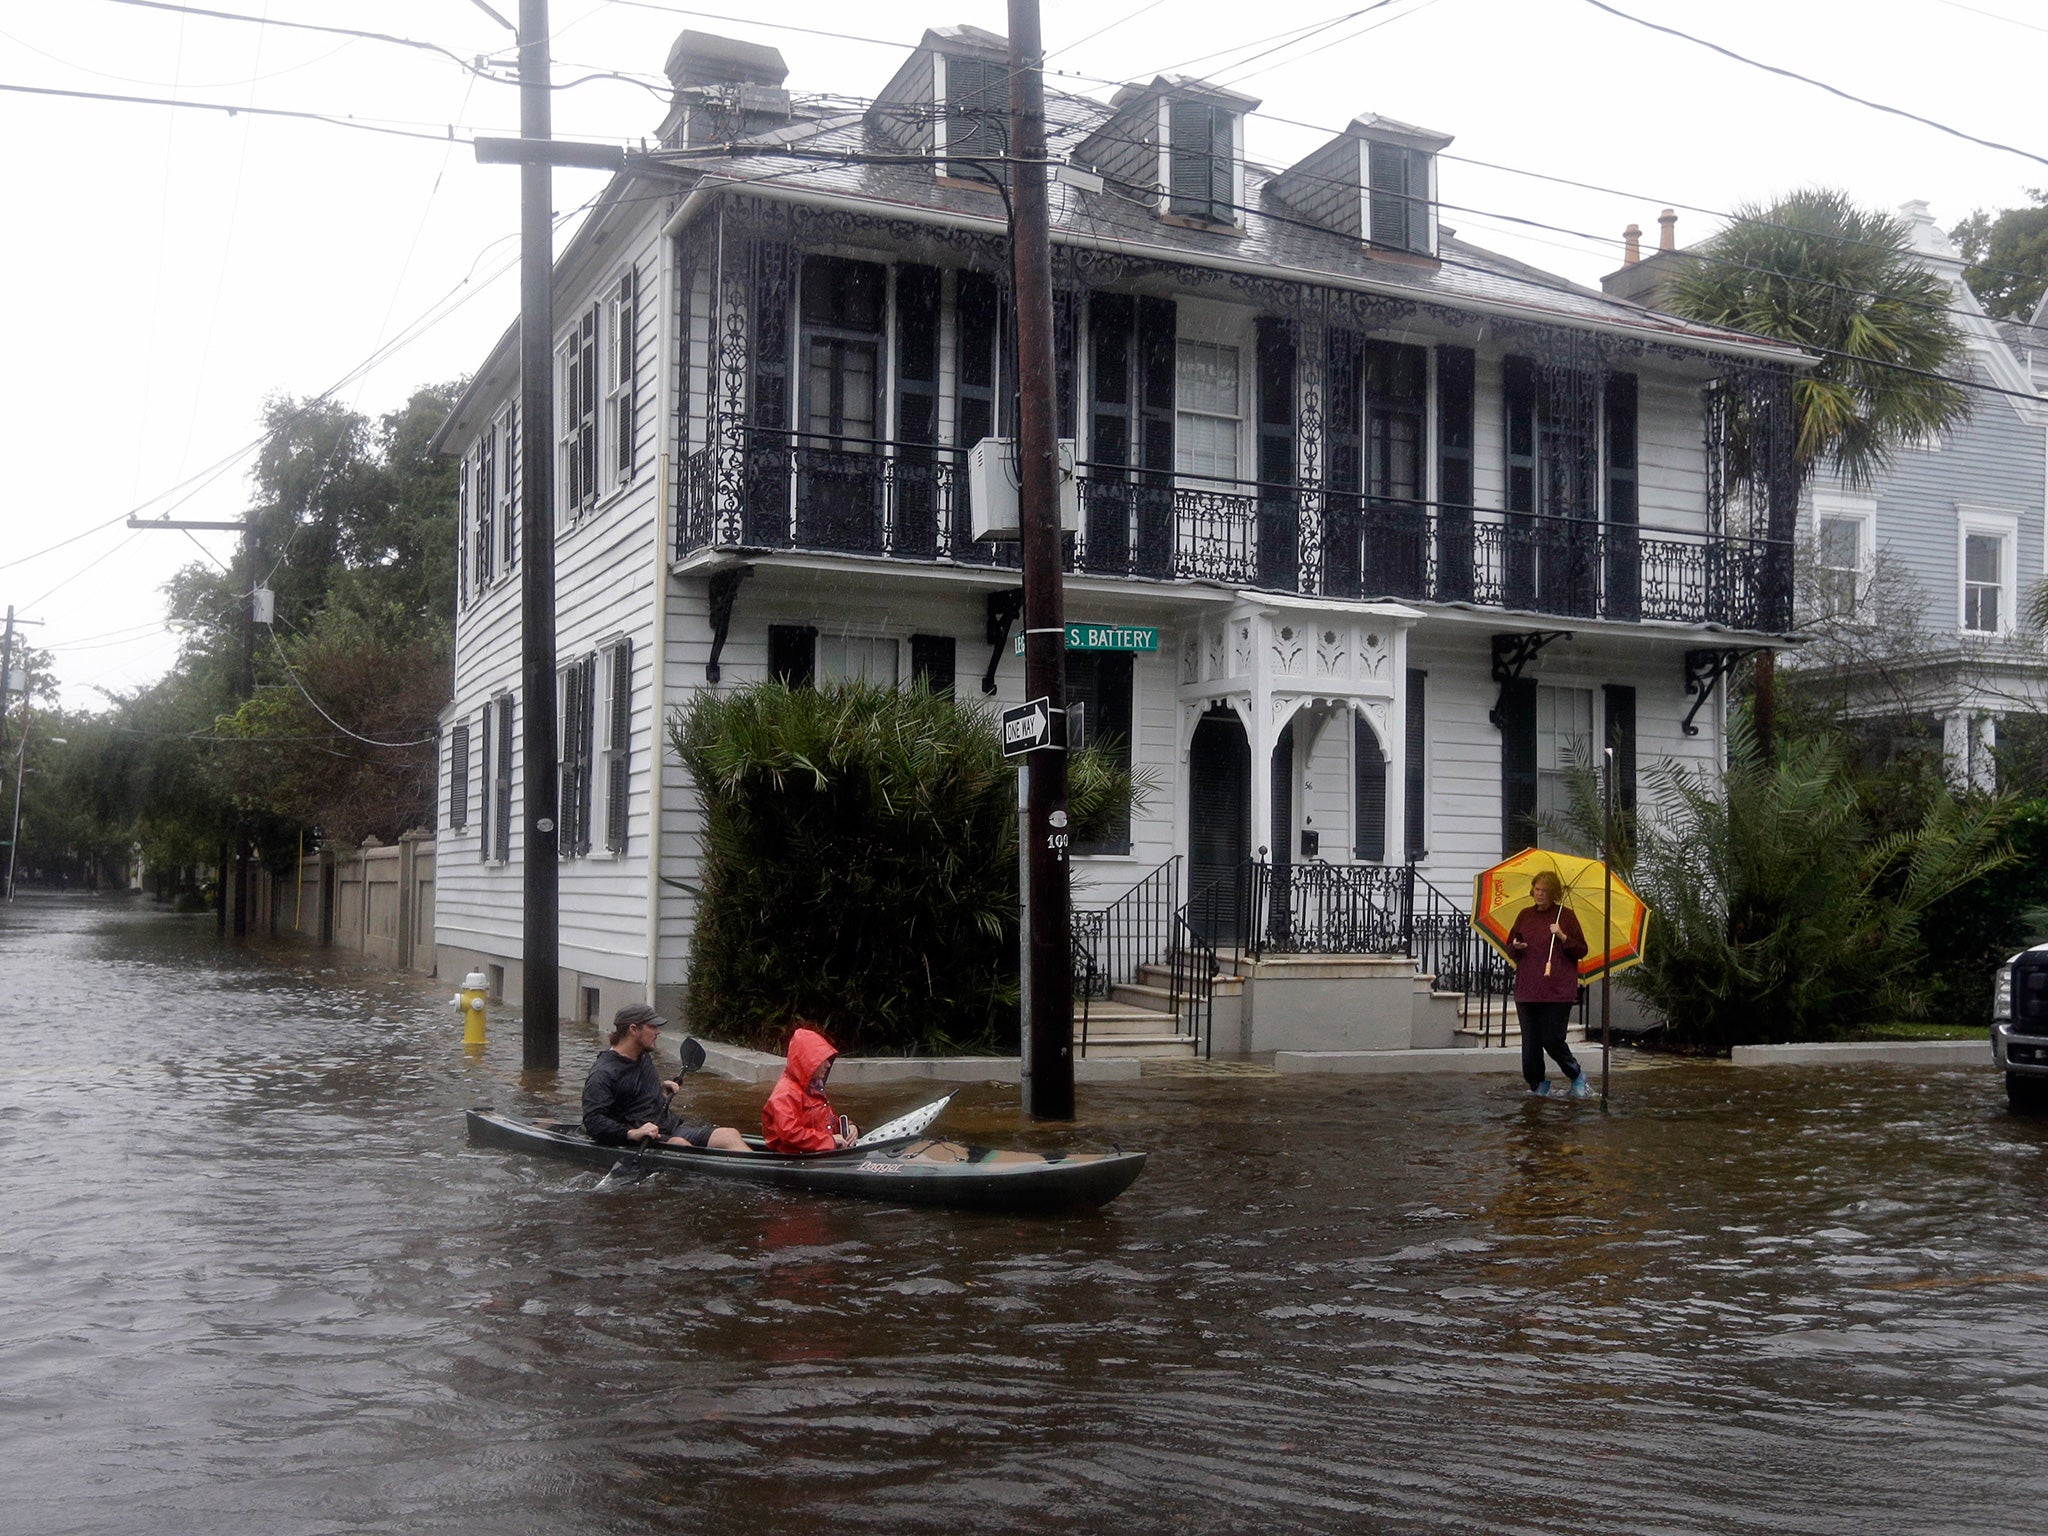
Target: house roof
(1274, 240)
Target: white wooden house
(1419, 528)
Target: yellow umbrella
(1500, 894)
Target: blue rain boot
(1542, 1089)
(1581, 1089)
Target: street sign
(1103, 637)
(1032, 727)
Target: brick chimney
(1667, 231)
(724, 89)
(1632, 245)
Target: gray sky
(169, 269)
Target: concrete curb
(1391, 1063)
(745, 1066)
(1905, 1053)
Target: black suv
(2019, 1029)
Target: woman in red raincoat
(798, 1117)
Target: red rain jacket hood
(795, 1119)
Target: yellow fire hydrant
(475, 988)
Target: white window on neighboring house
(463, 513)
(1564, 746)
(621, 359)
(1208, 414)
(576, 392)
(857, 658)
(1839, 555)
(1984, 608)
(615, 743)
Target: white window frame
(1183, 414)
(508, 462)
(825, 672)
(605, 731)
(616, 356)
(569, 420)
(1860, 510)
(1987, 522)
(1548, 737)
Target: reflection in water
(255, 1282)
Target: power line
(1822, 85)
(370, 741)
(1150, 5)
(230, 110)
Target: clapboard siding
(1996, 461)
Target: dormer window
(975, 94)
(1398, 196)
(1202, 160)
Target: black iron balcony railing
(909, 501)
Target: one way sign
(1032, 727)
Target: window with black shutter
(1456, 368)
(977, 117)
(1415, 784)
(576, 375)
(501, 827)
(1398, 197)
(1624, 573)
(1279, 513)
(579, 684)
(793, 654)
(1621, 741)
(1099, 714)
(1344, 465)
(622, 374)
(1200, 156)
(1369, 794)
(1517, 713)
(932, 661)
(618, 759)
(1131, 428)
(917, 409)
(458, 778)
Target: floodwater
(253, 1280)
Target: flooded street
(254, 1280)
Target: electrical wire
(1150, 5)
(369, 741)
(231, 111)
(1821, 85)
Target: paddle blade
(907, 1125)
(693, 1056)
(626, 1171)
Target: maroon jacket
(1533, 928)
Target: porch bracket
(1703, 669)
(1511, 653)
(725, 586)
(1004, 609)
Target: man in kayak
(625, 1101)
(798, 1117)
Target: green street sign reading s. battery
(1103, 637)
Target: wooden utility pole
(1048, 1067)
(540, 950)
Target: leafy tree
(2007, 254)
(1815, 270)
(860, 865)
(1780, 911)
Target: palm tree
(1815, 270)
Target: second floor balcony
(764, 490)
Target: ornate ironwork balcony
(771, 490)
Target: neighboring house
(1419, 529)
(1952, 536)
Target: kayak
(915, 1171)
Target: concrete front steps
(1136, 1020)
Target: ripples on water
(253, 1280)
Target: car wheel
(2026, 1095)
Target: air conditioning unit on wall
(992, 488)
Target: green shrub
(860, 866)
(1780, 913)
(1970, 932)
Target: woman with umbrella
(1546, 945)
